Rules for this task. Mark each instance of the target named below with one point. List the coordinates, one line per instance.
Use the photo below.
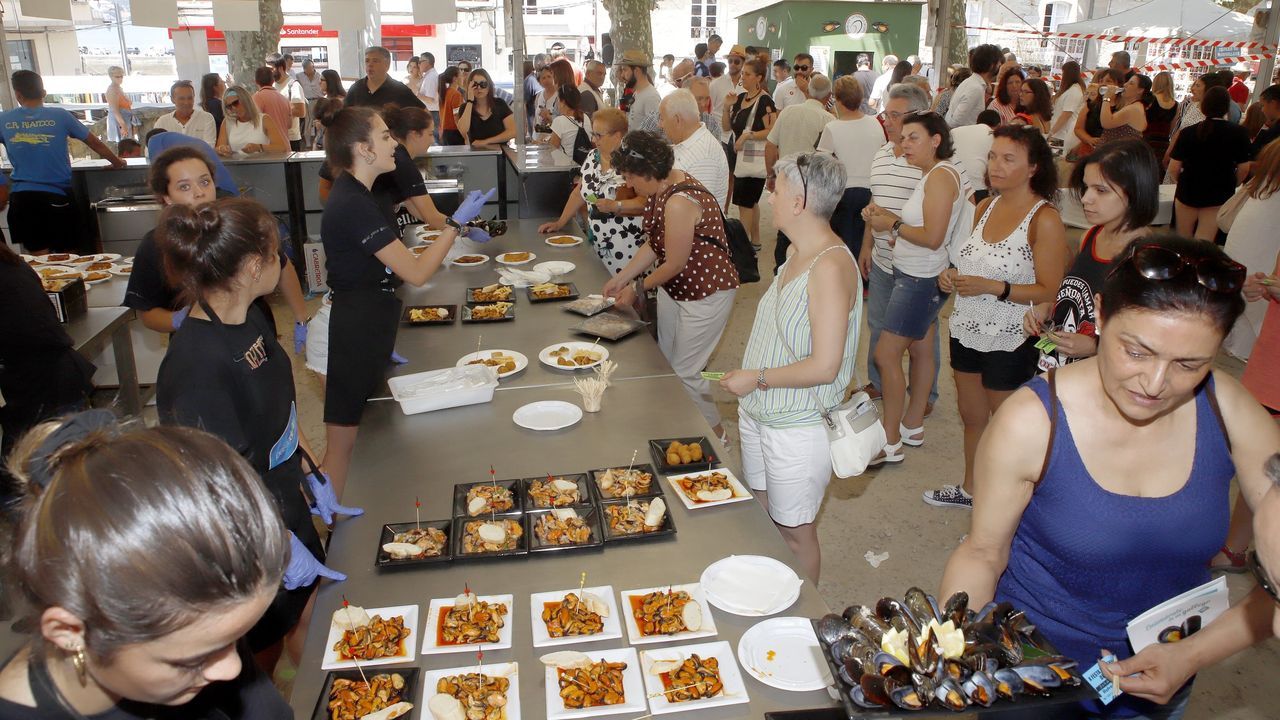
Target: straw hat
(635, 58)
(740, 51)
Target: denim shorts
(913, 305)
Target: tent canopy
(1170, 18)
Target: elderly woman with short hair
(695, 276)
(800, 355)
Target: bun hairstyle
(350, 126)
(402, 121)
(138, 532)
(205, 246)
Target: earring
(78, 660)
(369, 159)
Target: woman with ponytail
(225, 373)
(143, 556)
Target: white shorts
(791, 464)
(318, 338)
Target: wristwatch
(896, 225)
(760, 383)
(450, 222)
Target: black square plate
(608, 326)
(467, 309)
(658, 448)
(573, 294)
(584, 490)
(448, 320)
(459, 528)
(654, 487)
(471, 295)
(668, 525)
(460, 498)
(410, 694)
(383, 560)
(589, 513)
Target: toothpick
(478, 339)
(347, 606)
(480, 663)
(417, 515)
(582, 583)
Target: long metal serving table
(90, 334)
(401, 457)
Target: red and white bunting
(1190, 42)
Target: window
(22, 55)
(702, 18)
(1055, 13)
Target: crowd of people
(1089, 459)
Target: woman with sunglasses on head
(144, 557)
(694, 275)
(800, 355)
(939, 205)
(1103, 488)
(245, 129)
(751, 117)
(615, 233)
(484, 119)
(225, 373)
(366, 263)
(1014, 257)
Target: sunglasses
(1260, 575)
(1216, 274)
(480, 84)
(631, 152)
(800, 68)
(735, 61)
(802, 162)
(232, 105)
(680, 80)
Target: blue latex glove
(469, 208)
(399, 359)
(475, 234)
(179, 316)
(326, 503)
(299, 337)
(304, 568)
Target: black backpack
(740, 250)
(581, 145)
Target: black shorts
(1002, 370)
(362, 335)
(43, 221)
(746, 191)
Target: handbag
(854, 431)
(1231, 208)
(750, 163)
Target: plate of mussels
(901, 656)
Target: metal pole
(1089, 59)
(516, 11)
(124, 53)
(1266, 66)
(7, 101)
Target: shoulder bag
(750, 163)
(854, 430)
(1231, 208)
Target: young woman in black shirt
(366, 262)
(225, 373)
(143, 556)
(484, 119)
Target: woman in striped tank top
(800, 356)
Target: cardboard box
(69, 297)
(313, 267)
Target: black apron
(362, 335)
(268, 410)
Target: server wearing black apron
(225, 373)
(365, 263)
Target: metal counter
(399, 457)
(545, 180)
(90, 334)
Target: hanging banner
(339, 14)
(237, 15)
(154, 13)
(1189, 42)
(434, 12)
(1183, 64)
(50, 9)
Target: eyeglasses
(1156, 262)
(802, 162)
(800, 68)
(1260, 575)
(596, 135)
(680, 80)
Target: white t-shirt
(645, 104)
(787, 94)
(702, 156)
(855, 143)
(566, 128)
(430, 90)
(292, 92)
(969, 99)
(881, 87)
(199, 125)
(720, 87)
(893, 179)
(548, 102)
(972, 143)
(1071, 101)
(798, 127)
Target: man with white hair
(882, 83)
(698, 152)
(796, 130)
(701, 89)
(866, 77)
(681, 73)
(593, 73)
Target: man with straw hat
(640, 96)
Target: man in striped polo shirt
(893, 180)
(698, 152)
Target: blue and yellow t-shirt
(36, 139)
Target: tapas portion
(413, 543)
(574, 616)
(692, 677)
(492, 312)
(475, 692)
(458, 624)
(378, 636)
(486, 498)
(350, 695)
(564, 528)
(673, 612)
(708, 488)
(627, 519)
(573, 355)
(592, 684)
(624, 482)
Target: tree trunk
(248, 51)
(631, 29)
(958, 42)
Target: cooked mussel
(956, 609)
(905, 696)
(875, 692)
(1037, 679)
(922, 606)
(895, 614)
(980, 688)
(832, 628)
(1008, 683)
(950, 695)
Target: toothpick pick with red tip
(417, 515)
(480, 662)
(347, 606)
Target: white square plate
(735, 690)
(510, 670)
(429, 646)
(740, 491)
(632, 688)
(410, 613)
(612, 624)
(695, 591)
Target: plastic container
(440, 389)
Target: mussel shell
(1008, 683)
(874, 690)
(982, 614)
(907, 697)
(859, 698)
(921, 606)
(850, 671)
(892, 612)
(884, 662)
(950, 695)
(843, 650)
(865, 621)
(980, 688)
(957, 608)
(831, 628)
(1038, 676)
(923, 651)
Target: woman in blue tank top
(1103, 489)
